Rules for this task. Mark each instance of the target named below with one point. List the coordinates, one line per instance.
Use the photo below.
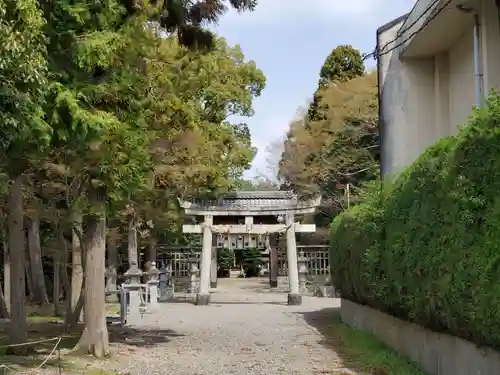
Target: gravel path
(246, 330)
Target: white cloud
(266, 133)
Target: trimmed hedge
(427, 249)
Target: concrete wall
(461, 87)
(490, 44)
(423, 99)
(407, 98)
(437, 354)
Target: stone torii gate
(247, 214)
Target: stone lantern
(165, 284)
(153, 274)
(193, 274)
(132, 289)
(303, 271)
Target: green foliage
(323, 156)
(427, 249)
(251, 260)
(187, 18)
(23, 76)
(341, 65)
(360, 351)
(225, 259)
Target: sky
(289, 41)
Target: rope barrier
(47, 358)
(30, 343)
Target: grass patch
(113, 308)
(45, 329)
(360, 351)
(366, 353)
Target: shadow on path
(215, 303)
(327, 322)
(141, 337)
(176, 300)
(359, 351)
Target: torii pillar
(294, 297)
(203, 296)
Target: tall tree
(323, 156)
(187, 18)
(24, 132)
(342, 64)
(100, 130)
(118, 114)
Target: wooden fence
(178, 260)
(318, 259)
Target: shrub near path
(428, 249)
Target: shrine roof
(272, 202)
(264, 194)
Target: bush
(428, 249)
(251, 261)
(225, 261)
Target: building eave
(392, 23)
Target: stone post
(153, 274)
(303, 271)
(213, 269)
(273, 260)
(193, 274)
(203, 296)
(165, 290)
(133, 287)
(294, 297)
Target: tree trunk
(35, 252)
(56, 283)
(6, 268)
(18, 332)
(132, 242)
(150, 252)
(94, 339)
(73, 315)
(112, 271)
(4, 312)
(76, 254)
(27, 269)
(64, 271)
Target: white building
(435, 64)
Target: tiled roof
(265, 194)
(241, 200)
(251, 201)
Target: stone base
(325, 291)
(273, 283)
(294, 299)
(213, 284)
(202, 299)
(112, 298)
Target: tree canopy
(322, 154)
(108, 114)
(341, 65)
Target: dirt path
(246, 330)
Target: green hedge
(427, 248)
